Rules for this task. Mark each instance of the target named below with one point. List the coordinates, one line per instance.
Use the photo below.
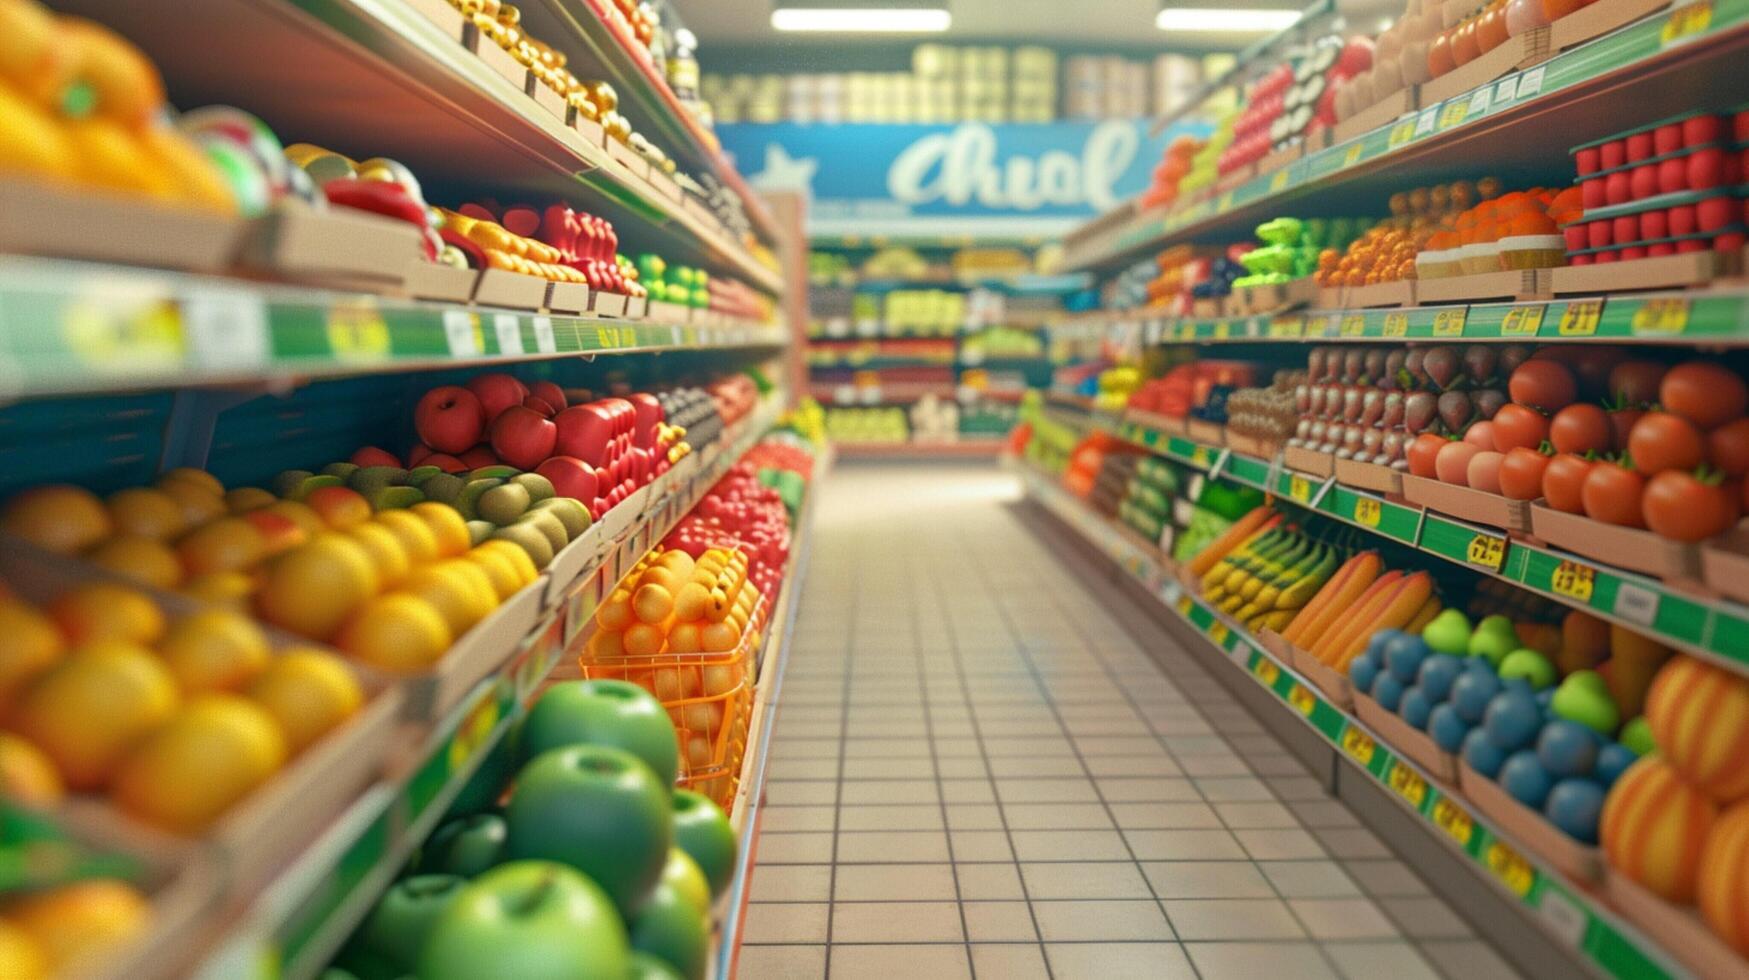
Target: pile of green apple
(592, 865)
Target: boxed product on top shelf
(885, 425)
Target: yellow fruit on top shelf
(499, 571)
(228, 544)
(299, 514)
(93, 707)
(446, 526)
(452, 588)
(309, 693)
(190, 171)
(387, 554)
(144, 560)
(212, 754)
(59, 517)
(312, 588)
(28, 776)
(215, 650)
(415, 535)
(146, 512)
(81, 921)
(106, 611)
(20, 956)
(31, 52)
(516, 556)
(245, 499)
(229, 589)
(397, 633)
(30, 643)
(197, 503)
(110, 157)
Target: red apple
(1729, 242)
(1598, 234)
(570, 477)
(417, 454)
(1681, 220)
(1639, 147)
(550, 393)
(1691, 245)
(535, 404)
(1740, 126)
(447, 463)
(647, 411)
(1659, 249)
(497, 392)
(1617, 189)
(479, 456)
(1613, 154)
(598, 507)
(1611, 255)
(1701, 130)
(1706, 168)
(1672, 176)
(1655, 225)
(522, 438)
(584, 431)
(1633, 252)
(1592, 193)
(1714, 213)
(449, 419)
(372, 456)
(1643, 181)
(1667, 138)
(1625, 229)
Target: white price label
(1505, 91)
(1636, 603)
(1478, 103)
(458, 326)
(509, 330)
(226, 328)
(1530, 83)
(1562, 917)
(1425, 124)
(543, 335)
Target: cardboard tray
(1578, 861)
(1381, 113)
(1724, 564)
(665, 185)
(1207, 307)
(1337, 688)
(1465, 503)
(603, 303)
(1207, 433)
(629, 158)
(1665, 271)
(1284, 157)
(1519, 51)
(637, 307)
(1235, 179)
(447, 18)
(1519, 284)
(1597, 19)
(666, 312)
(1274, 297)
(1369, 476)
(584, 551)
(1252, 445)
(589, 129)
(1453, 12)
(495, 57)
(1622, 547)
(544, 96)
(1401, 293)
(1277, 647)
(478, 653)
(1411, 743)
(334, 247)
(88, 223)
(1309, 461)
(434, 280)
(512, 290)
(567, 297)
(1676, 928)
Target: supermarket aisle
(977, 770)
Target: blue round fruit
(1415, 707)
(1363, 671)
(1438, 673)
(1545, 698)
(1574, 805)
(1525, 779)
(1472, 691)
(1566, 748)
(1387, 690)
(1512, 719)
(1481, 753)
(1448, 730)
(1375, 647)
(1403, 656)
(1517, 684)
(1612, 760)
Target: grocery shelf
(300, 918)
(76, 327)
(1710, 627)
(1715, 316)
(1565, 910)
(920, 450)
(1664, 64)
(392, 78)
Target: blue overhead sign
(976, 179)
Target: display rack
(1568, 912)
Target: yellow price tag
(1187, 330)
(1580, 318)
(1488, 551)
(1185, 604)
(1289, 327)
(1407, 783)
(1573, 580)
(1303, 700)
(1317, 326)
(473, 731)
(1511, 868)
(1396, 325)
(1661, 316)
(1219, 632)
(356, 331)
(1278, 180)
(1266, 671)
(1358, 744)
(1454, 820)
(1449, 323)
(1401, 133)
(1353, 325)
(1223, 330)
(1522, 321)
(1299, 488)
(116, 336)
(1685, 22)
(1200, 457)
(1368, 511)
(1453, 113)
(1352, 157)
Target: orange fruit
(82, 920)
(398, 633)
(106, 611)
(684, 638)
(298, 513)
(228, 544)
(146, 512)
(245, 499)
(312, 588)
(341, 508)
(607, 646)
(27, 776)
(387, 553)
(229, 589)
(198, 505)
(460, 591)
(145, 560)
(59, 518)
(20, 956)
(30, 643)
(642, 640)
(615, 614)
(214, 752)
(215, 650)
(718, 637)
(652, 603)
(308, 692)
(503, 575)
(278, 532)
(199, 478)
(415, 535)
(446, 525)
(92, 707)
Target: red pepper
(377, 197)
(475, 255)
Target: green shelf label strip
(1566, 912)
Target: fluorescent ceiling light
(886, 21)
(1215, 19)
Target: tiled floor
(978, 771)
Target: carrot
(1428, 610)
(1412, 593)
(1338, 603)
(1260, 519)
(1347, 620)
(1322, 598)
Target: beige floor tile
(1101, 921)
(1390, 960)
(782, 962)
(788, 792)
(1250, 961)
(998, 922)
(1467, 958)
(1386, 878)
(967, 791)
(1257, 816)
(1352, 842)
(941, 962)
(1224, 919)
(974, 816)
(1119, 961)
(1083, 880)
(1165, 816)
(894, 882)
(1279, 845)
(1184, 845)
(894, 847)
(1056, 816)
(905, 816)
(785, 922)
(1046, 791)
(1148, 790)
(891, 791)
(1233, 789)
(791, 819)
(790, 883)
(794, 848)
(1206, 879)
(1309, 879)
(896, 922)
(1342, 918)
(1426, 918)
(970, 846)
(988, 881)
(1010, 961)
(1069, 845)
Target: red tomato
(1581, 428)
(1453, 463)
(1484, 471)
(1517, 425)
(1423, 452)
(1543, 384)
(1622, 422)
(1480, 435)
(1521, 474)
(1661, 441)
(1704, 393)
(1679, 506)
(1563, 481)
(1612, 493)
(1635, 383)
(1727, 448)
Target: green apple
(702, 830)
(598, 809)
(669, 927)
(1493, 638)
(532, 920)
(604, 712)
(1449, 632)
(1637, 736)
(396, 929)
(647, 967)
(1584, 697)
(334, 972)
(683, 874)
(1530, 665)
(466, 846)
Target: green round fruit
(702, 830)
(397, 928)
(669, 927)
(647, 967)
(604, 712)
(682, 874)
(532, 920)
(466, 846)
(598, 809)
